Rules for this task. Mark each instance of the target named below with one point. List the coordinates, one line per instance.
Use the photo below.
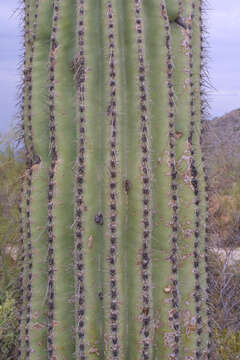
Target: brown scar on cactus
(180, 21)
(174, 9)
(99, 219)
(127, 186)
(90, 242)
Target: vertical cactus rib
(164, 233)
(195, 184)
(42, 19)
(28, 190)
(29, 255)
(115, 306)
(186, 213)
(118, 120)
(174, 316)
(91, 157)
(51, 184)
(113, 312)
(30, 38)
(30, 158)
(203, 107)
(80, 172)
(27, 79)
(93, 216)
(135, 227)
(25, 99)
(62, 99)
(22, 285)
(22, 207)
(146, 311)
(201, 215)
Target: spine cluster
(146, 190)
(174, 259)
(112, 115)
(80, 167)
(53, 151)
(195, 186)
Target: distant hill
(221, 146)
(222, 137)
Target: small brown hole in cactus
(100, 295)
(99, 219)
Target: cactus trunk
(114, 209)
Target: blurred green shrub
(227, 344)
(8, 328)
(11, 172)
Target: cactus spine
(114, 211)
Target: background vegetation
(222, 150)
(11, 173)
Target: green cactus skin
(173, 9)
(114, 232)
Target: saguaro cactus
(114, 210)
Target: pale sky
(224, 52)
